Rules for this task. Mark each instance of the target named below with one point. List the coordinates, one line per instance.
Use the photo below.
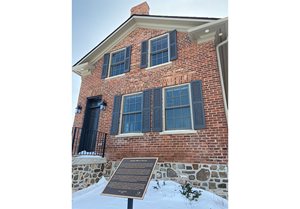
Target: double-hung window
(117, 65)
(132, 114)
(159, 50)
(177, 108)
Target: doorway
(90, 125)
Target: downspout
(221, 76)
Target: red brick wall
(195, 62)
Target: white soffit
(83, 69)
(202, 32)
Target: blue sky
(94, 20)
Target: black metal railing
(88, 142)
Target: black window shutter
(173, 44)
(144, 54)
(198, 105)
(146, 110)
(105, 65)
(157, 110)
(114, 129)
(127, 59)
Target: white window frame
(109, 66)
(183, 131)
(120, 134)
(149, 51)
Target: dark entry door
(90, 125)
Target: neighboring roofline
(135, 15)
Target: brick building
(157, 86)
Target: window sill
(178, 132)
(115, 76)
(130, 135)
(161, 65)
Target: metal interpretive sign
(131, 178)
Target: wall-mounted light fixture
(78, 109)
(103, 105)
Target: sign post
(131, 179)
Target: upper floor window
(177, 108)
(159, 50)
(117, 65)
(132, 114)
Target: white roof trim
(197, 33)
(174, 18)
(83, 69)
(201, 27)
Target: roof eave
(203, 32)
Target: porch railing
(88, 142)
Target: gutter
(221, 75)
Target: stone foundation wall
(86, 172)
(210, 177)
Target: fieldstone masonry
(86, 172)
(210, 177)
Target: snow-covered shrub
(189, 193)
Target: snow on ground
(89, 156)
(167, 197)
(85, 154)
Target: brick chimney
(141, 9)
